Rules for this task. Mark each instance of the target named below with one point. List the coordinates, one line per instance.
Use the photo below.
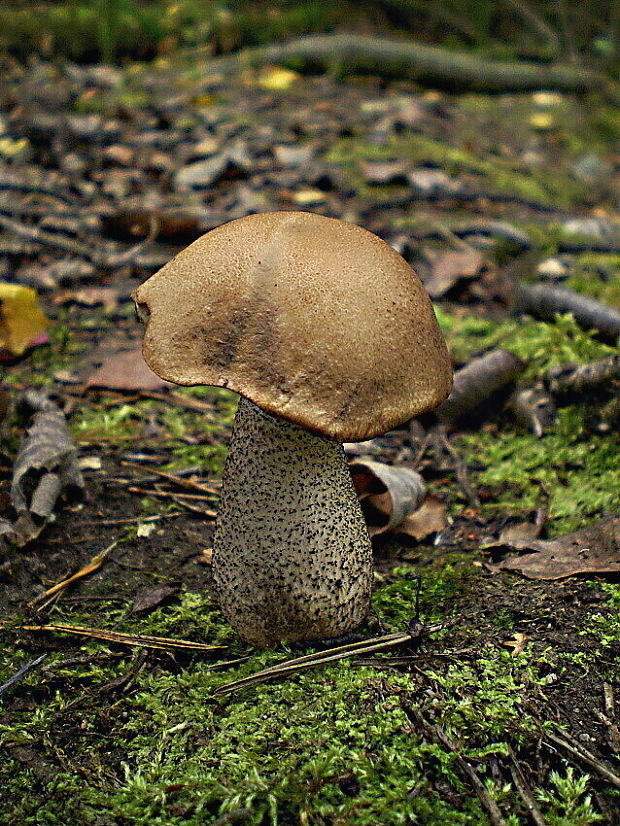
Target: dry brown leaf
(451, 266)
(429, 518)
(89, 297)
(594, 549)
(125, 371)
(148, 598)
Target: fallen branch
(427, 65)
(546, 300)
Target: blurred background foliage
(118, 30)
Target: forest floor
(503, 712)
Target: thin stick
(526, 795)
(112, 261)
(95, 563)
(164, 643)
(21, 673)
(492, 809)
(368, 646)
(460, 469)
(176, 480)
(585, 756)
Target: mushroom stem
(292, 559)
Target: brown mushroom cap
(313, 319)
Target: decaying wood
(546, 300)
(427, 65)
(100, 257)
(477, 381)
(534, 407)
(575, 378)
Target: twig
(163, 643)
(127, 520)
(528, 14)
(21, 673)
(574, 378)
(477, 381)
(179, 498)
(526, 795)
(585, 756)
(110, 261)
(546, 300)
(95, 563)
(460, 468)
(492, 809)
(321, 658)
(189, 484)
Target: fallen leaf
(148, 598)
(22, 322)
(451, 266)
(125, 371)
(107, 297)
(385, 172)
(308, 197)
(388, 495)
(276, 78)
(516, 644)
(294, 155)
(433, 182)
(429, 518)
(594, 549)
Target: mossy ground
(107, 736)
(101, 736)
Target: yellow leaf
(22, 321)
(542, 121)
(307, 197)
(276, 78)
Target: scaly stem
(292, 559)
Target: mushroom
(328, 336)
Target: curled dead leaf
(389, 496)
(46, 469)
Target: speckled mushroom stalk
(292, 559)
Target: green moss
(597, 276)
(494, 174)
(540, 344)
